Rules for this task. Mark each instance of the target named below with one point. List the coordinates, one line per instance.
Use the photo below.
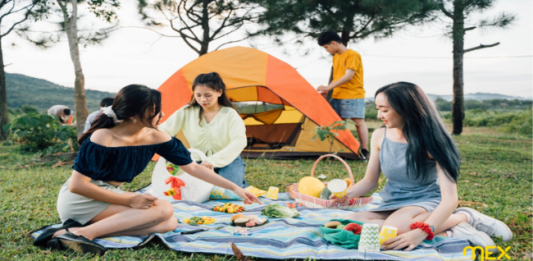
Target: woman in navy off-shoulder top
(118, 147)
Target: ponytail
(133, 100)
(102, 121)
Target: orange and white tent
(254, 77)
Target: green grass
(495, 179)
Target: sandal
(80, 243)
(43, 238)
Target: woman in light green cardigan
(211, 124)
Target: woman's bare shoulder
(158, 136)
(103, 137)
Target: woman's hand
(408, 240)
(248, 197)
(142, 201)
(207, 165)
(342, 201)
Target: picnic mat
(280, 238)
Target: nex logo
(486, 253)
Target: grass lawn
(496, 178)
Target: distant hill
(42, 94)
(479, 96)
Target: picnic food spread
(278, 211)
(310, 186)
(325, 193)
(229, 208)
(248, 221)
(199, 220)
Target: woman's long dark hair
(423, 129)
(131, 101)
(213, 81)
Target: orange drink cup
(338, 187)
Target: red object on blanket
(175, 184)
(354, 227)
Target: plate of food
(248, 221)
(194, 221)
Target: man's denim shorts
(349, 108)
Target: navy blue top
(122, 164)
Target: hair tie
(111, 114)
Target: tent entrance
(270, 122)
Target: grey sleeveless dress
(402, 190)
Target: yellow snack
(257, 192)
(186, 220)
(272, 193)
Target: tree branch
(225, 34)
(190, 45)
(2, 3)
(366, 25)
(8, 12)
(481, 46)
(17, 23)
(470, 28)
(222, 25)
(189, 28)
(443, 9)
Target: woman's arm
(449, 201)
(370, 181)
(174, 123)
(211, 177)
(81, 185)
(444, 210)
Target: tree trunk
(4, 118)
(458, 113)
(79, 83)
(204, 48)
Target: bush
(40, 132)
(371, 113)
(29, 109)
(521, 124)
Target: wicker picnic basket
(312, 202)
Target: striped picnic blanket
(280, 238)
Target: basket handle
(199, 153)
(334, 156)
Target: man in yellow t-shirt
(348, 98)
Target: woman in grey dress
(421, 162)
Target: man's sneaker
(489, 225)
(476, 238)
(365, 154)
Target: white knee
(164, 211)
(170, 225)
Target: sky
(421, 55)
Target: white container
(195, 189)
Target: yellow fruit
(310, 186)
(348, 181)
(186, 220)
